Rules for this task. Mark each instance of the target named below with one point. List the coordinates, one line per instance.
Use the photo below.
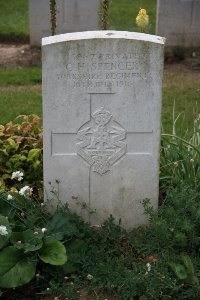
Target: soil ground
(13, 55)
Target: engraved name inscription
(91, 70)
(101, 141)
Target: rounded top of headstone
(102, 34)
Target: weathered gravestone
(72, 16)
(179, 22)
(102, 103)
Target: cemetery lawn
(14, 20)
(181, 91)
(19, 76)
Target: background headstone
(102, 107)
(179, 22)
(72, 16)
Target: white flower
(3, 230)
(148, 267)
(26, 191)
(18, 175)
(10, 197)
(89, 277)
(43, 230)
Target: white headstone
(72, 16)
(179, 22)
(102, 107)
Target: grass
(17, 100)
(181, 90)
(20, 76)
(14, 20)
(20, 92)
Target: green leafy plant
(132, 265)
(24, 240)
(180, 157)
(185, 271)
(21, 150)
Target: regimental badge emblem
(101, 141)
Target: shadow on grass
(14, 38)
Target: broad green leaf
(5, 152)
(22, 157)
(12, 143)
(53, 253)
(188, 263)
(34, 154)
(30, 242)
(59, 226)
(4, 238)
(179, 270)
(5, 176)
(76, 248)
(36, 164)
(192, 279)
(6, 208)
(16, 268)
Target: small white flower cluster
(17, 175)
(10, 197)
(3, 230)
(26, 191)
(148, 266)
(89, 277)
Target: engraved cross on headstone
(100, 144)
(102, 140)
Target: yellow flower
(142, 19)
